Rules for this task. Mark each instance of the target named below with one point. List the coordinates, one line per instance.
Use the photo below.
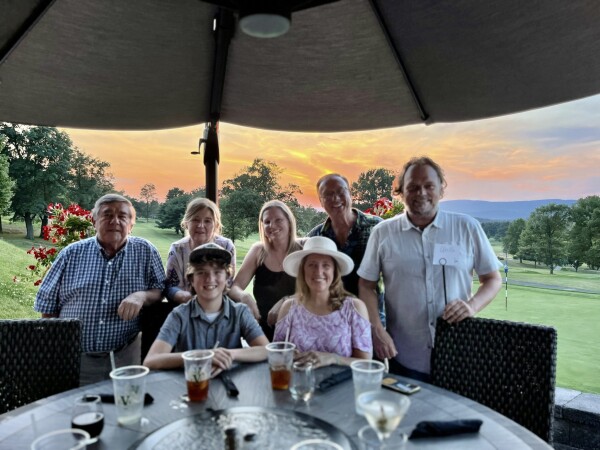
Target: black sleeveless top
(269, 288)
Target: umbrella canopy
(346, 65)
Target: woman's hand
(248, 300)
(317, 359)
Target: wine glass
(88, 415)
(303, 381)
(384, 411)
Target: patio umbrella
(343, 65)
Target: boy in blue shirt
(209, 319)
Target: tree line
(554, 235)
(242, 197)
(40, 165)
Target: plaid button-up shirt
(83, 284)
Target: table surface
(18, 428)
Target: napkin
(445, 428)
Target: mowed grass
(16, 285)
(574, 315)
(162, 240)
(566, 277)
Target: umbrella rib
(28, 24)
(424, 115)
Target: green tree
(528, 245)
(90, 179)
(174, 193)
(7, 184)
(584, 237)
(40, 161)
(548, 226)
(307, 218)
(512, 236)
(148, 195)
(371, 186)
(171, 212)
(495, 229)
(239, 213)
(261, 179)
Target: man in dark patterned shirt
(348, 227)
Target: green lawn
(574, 315)
(162, 239)
(565, 277)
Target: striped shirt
(83, 284)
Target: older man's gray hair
(112, 198)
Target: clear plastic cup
(67, 439)
(129, 384)
(366, 376)
(281, 358)
(198, 365)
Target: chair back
(509, 367)
(151, 320)
(38, 358)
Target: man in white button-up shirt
(412, 251)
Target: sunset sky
(552, 152)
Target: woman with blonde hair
(202, 224)
(264, 263)
(328, 324)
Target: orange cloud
(524, 156)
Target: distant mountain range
(493, 211)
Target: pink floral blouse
(338, 332)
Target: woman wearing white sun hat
(327, 324)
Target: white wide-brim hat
(321, 246)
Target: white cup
(68, 439)
(316, 444)
(366, 376)
(129, 384)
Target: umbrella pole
(223, 32)
(211, 161)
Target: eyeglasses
(332, 195)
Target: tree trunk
(29, 226)
(44, 223)
(1, 223)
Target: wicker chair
(509, 367)
(38, 358)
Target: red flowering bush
(386, 208)
(65, 227)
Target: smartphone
(399, 386)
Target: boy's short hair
(211, 254)
(195, 266)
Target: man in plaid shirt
(104, 281)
